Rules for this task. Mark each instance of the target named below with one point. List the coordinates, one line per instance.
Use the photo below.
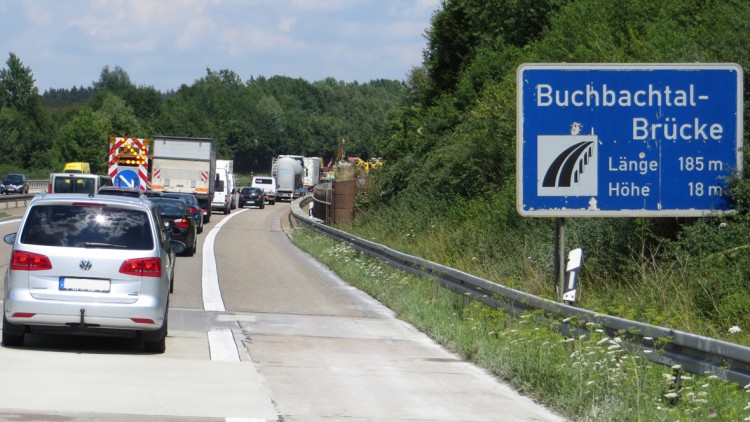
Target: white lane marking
(221, 343)
(222, 346)
(210, 278)
(232, 419)
(10, 221)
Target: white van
(77, 183)
(268, 184)
(222, 192)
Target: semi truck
(186, 165)
(288, 169)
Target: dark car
(178, 221)
(120, 191)
(193, 205)
(252, 196)
(15, 183)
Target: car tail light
(23, 315)
(194, 210)
(28, 261)
(49, 187)
(144, 267)
(142, 320)
(182, 223)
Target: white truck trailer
(312, 172)
(287, 169)
(185, 165)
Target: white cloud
(286, 24)
(324, 5)
(193, 32)
(240, 39)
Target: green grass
(587, 379)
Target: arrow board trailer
(627, 140)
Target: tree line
(251, 121)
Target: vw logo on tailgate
(85, 264)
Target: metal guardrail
(696, 354)
(38, 185)
(15, 200)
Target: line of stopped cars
(97, 264)
(100, 264)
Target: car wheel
(13, 335)
(171, 284)
(200, 229)
(227, 210)
(262, 205)
(159, 342)
(191, 251)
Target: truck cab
(77, 168)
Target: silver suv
(85, 264)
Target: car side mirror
(10, 238)
(176, 246)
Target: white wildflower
(671, 395)
(676, 367)
(735, 329)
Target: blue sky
(167, 43)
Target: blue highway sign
(627, 139)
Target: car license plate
(84, 284)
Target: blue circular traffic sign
(127, 179)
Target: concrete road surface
(259, 331)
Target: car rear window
(74, 185)
(170, 207)
(78, 226)
(263, 181)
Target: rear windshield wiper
(104, 245)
